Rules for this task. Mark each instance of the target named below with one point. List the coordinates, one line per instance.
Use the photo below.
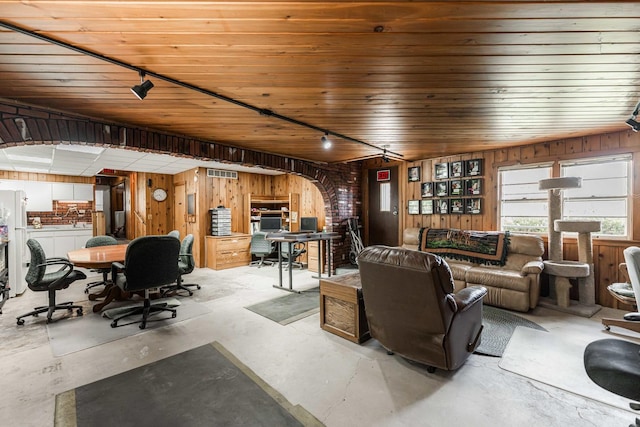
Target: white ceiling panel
(85, 164)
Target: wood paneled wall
(231, 193)
(607, 252)
(33, 176)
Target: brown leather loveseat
(514, 286)
(412, 310)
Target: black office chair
(39, 280)
(186, 264)
(297, 249)
(261, 248)
(95, 242)
(150, 262)
(174, 233)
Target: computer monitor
(270, 223)
(309, 223)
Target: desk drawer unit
(227, 251)
(342, 310)
(315, 250)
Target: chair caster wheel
(114, 324)
(142, 325)
(79, 312)
(70, 309)
(49, 320)
(36, 315)
(198, 287)
(431, 369)
(390, 353)
(174, 315)
(607, 328)
(20, 322)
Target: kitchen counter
(58, 240)
(66, 228)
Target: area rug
(79, 333)
(206, 386)
(556, 361)
(290, 307)
(498, 327)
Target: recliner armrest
(534, 267)
(467, 297)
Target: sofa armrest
(532, 267)
(467, 297)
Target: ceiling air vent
(217, 173)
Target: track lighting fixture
(326, 142)
(632, 120)
(145, 86)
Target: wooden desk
(297, 237)
(100, 257)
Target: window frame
(627, 157)
(548, 164)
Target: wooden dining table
(100, 257)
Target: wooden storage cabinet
(223, 252)
(342, 310)
(315, 251)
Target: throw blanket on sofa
(482, 247)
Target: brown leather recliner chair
(412, 310)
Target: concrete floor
(339, 382)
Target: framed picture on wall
(473, 187)
(442, 170)
(414, 173)
(473, 167)
(456, 188)
(427, 189)
(456, 206)
(474, 206)
(442, 189)
(414, 207)
(426, 207)
(455, 169)
(443, 206)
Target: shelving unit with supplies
(286, 207)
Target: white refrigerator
(13, 210)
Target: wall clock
(159, 195)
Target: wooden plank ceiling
(422, 78)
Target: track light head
(141, 90)
(634, 124)
(384, 156)
(326, 142)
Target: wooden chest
(342, 307)
(227, 251)
(315, 251)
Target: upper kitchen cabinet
(72, 192)
(38, 196)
